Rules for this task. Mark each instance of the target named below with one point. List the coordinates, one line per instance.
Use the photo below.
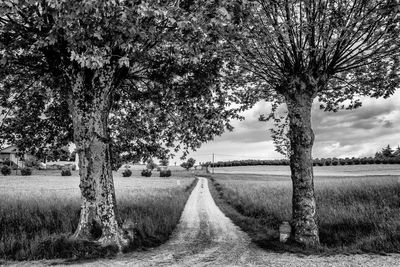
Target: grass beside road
(38, 213)
(355, 214)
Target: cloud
(345, 133)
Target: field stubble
(39, 212)
(355, 214)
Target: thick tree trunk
(89, 107)
(301, 138)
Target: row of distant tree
(165, 162)
(387, 155)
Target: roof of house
(9, 150)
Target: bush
(26, 171)
(5, 170)
(165, 173)
(146, 173)
(10, 164)
(126, 173)
(66, 172)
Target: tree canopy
(344, 49)
(188, 164)
(164, 74)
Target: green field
(355, 214)
(39, 212)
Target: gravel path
(206, 237)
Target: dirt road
(206, 237)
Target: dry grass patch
(355, 214)
(39, 212)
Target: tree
(99, 72)
(62, 153)
(164, 162)
(295, 51)
(188, 164)
(396, 153)
(387, 152)
(151, 165)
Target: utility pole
(213, 164)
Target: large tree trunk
(90, 106)
(301, 138)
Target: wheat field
(39, 212)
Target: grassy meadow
(346, 170)
(355, 214)
(39, 212)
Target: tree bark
(301, 138)
(89, 104)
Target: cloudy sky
(355, 133)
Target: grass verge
(39, 227)
(355, 215)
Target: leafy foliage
(165, 173)
(164, 162)
(387, 153)
(151, 165)
(66, 172)
(126, 173)
(146, 173)
(26, 171)
(188, 164)
(32, 163)
(5, 170)
(165, 74)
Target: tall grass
(35, 222)
(354, 214)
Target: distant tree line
(387, 155)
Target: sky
(354, 133)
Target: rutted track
(206, 237)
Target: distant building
(9, 153)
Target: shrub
(165, 173)
(10, 164)
(349, 161)
(65, 172)
(26, 171)
(126, 173)
(5, 170)
(146, 173)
